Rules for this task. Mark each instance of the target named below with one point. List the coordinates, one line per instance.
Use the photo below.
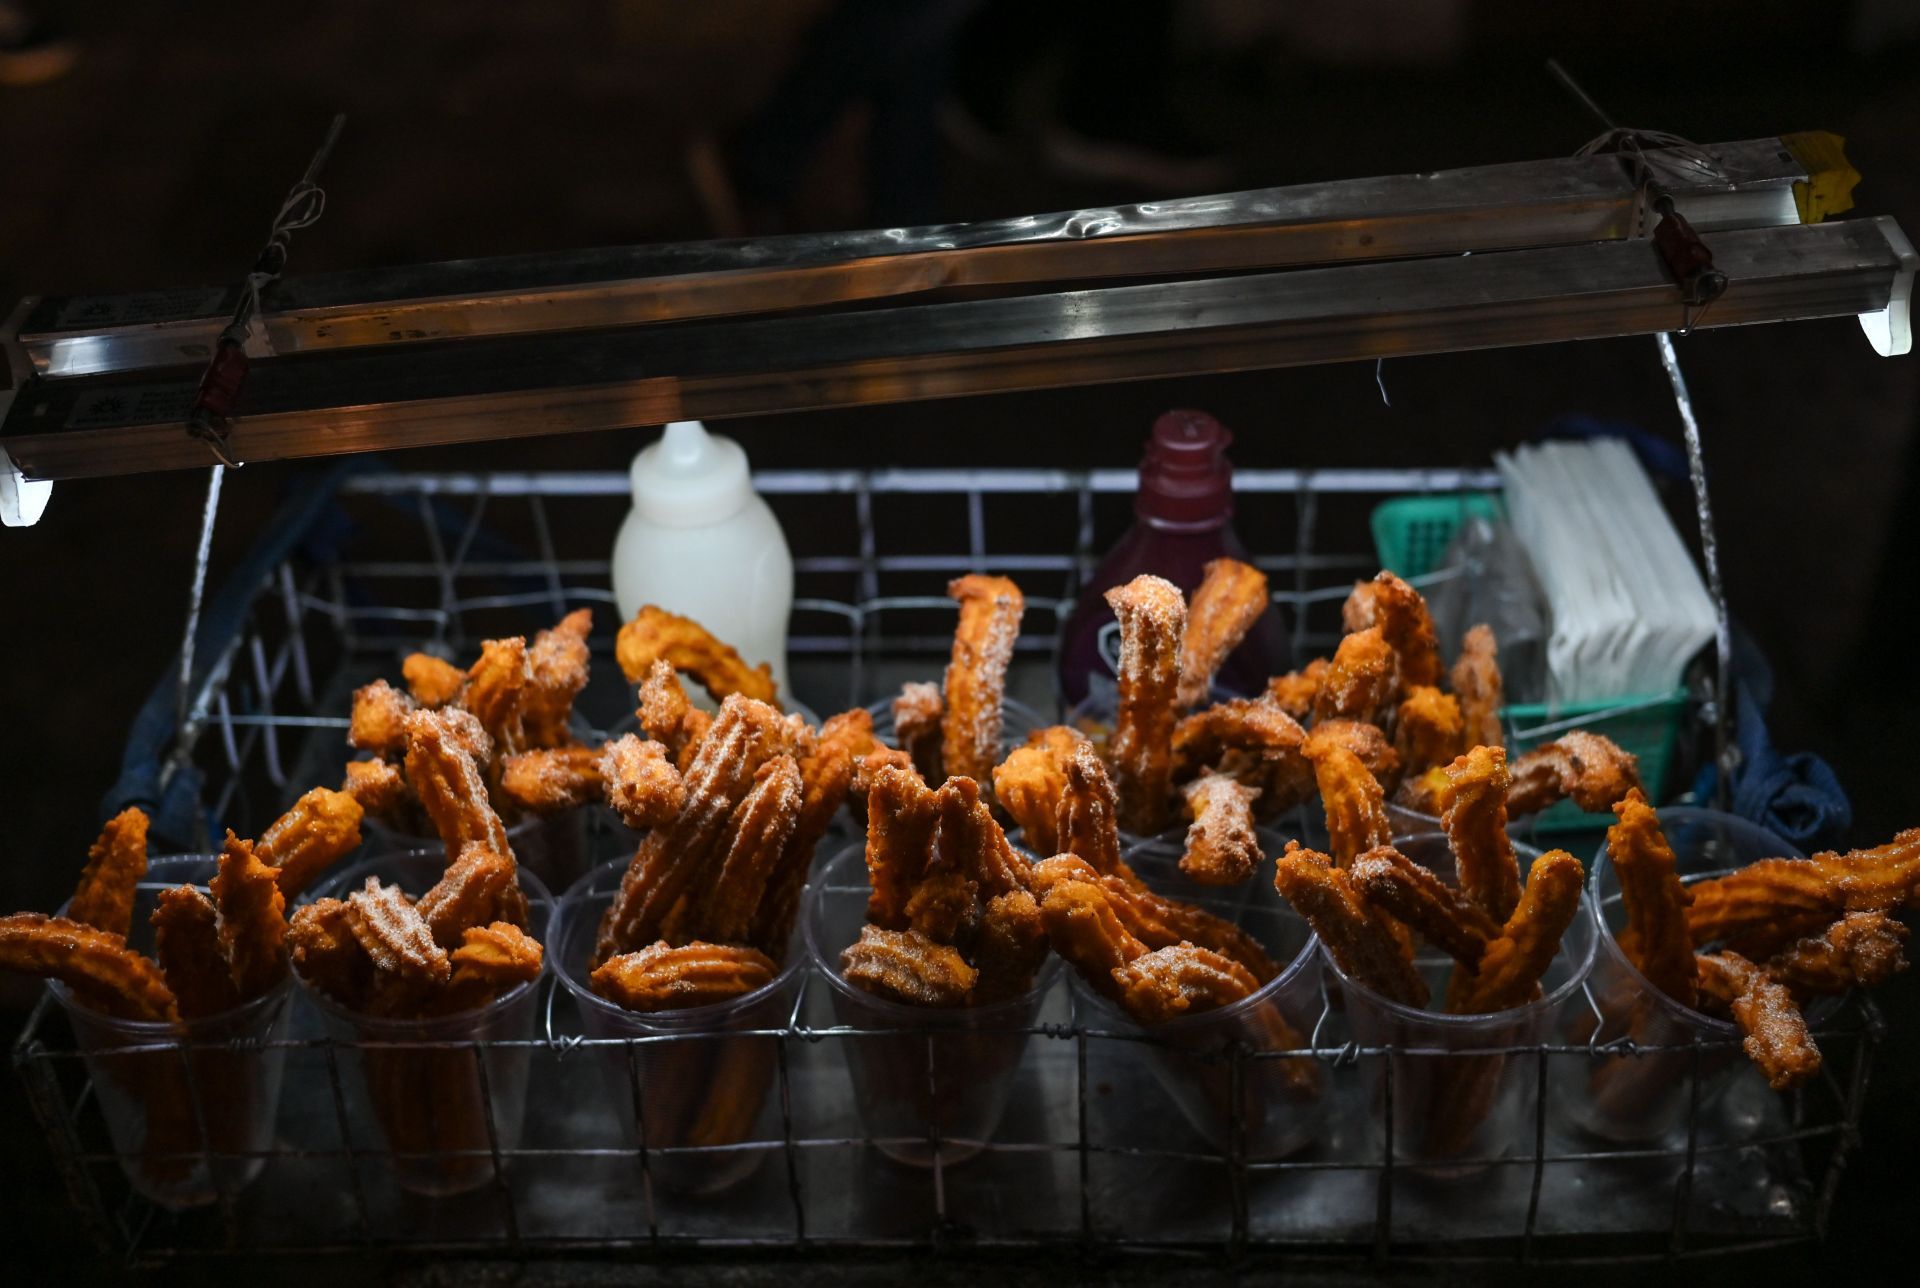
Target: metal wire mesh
(1090, 1150)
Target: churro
(1221, 847)
(665, 977)
(94, 963)
(548, 779)
(918, 716)
(322, 828)
(1478, 688)
(906, 966)
(1655, 939)
(1229, 600)
(115, 864)
(656, 635)
(640, 782)
(1474, 817)
(990, 612)
(252, 920)
(1360, 939)
(1152, 618)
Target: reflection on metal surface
(1483, 208)
(402, 396)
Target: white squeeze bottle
(700, 542)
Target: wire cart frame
(369, 564)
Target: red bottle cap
(1186, 481)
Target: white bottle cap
(690, 478)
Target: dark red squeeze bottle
(1183, 518)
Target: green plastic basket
(1411, 534)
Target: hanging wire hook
(211, 418)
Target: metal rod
(1561, 201)
(1723, 696)
(371, 400)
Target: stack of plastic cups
(1461, 1097)
(1281, 1101)
(441, 1092)
(700, 1076)
(929, 1082)
(190, 1107)
(1632, 1094)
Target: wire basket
(364, 566)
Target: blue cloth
(1795, 796)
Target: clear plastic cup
(190, 1108)
(700, 1075)
(440, 1093)
(1281, 1104)
(557, 848)
(1454, 1111)
(1631, 1095)
(928, 1082)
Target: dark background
(478, 129)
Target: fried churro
(668, 717)
(1257, 726)
(377, 720)
(1592, 770)
(252, 918)
(115, 864)
(990, 612)
(918, 716)
(1400, 613)
(826, 782)
(432, 681)
(1655, 939)
(325, 953)
(1166, 983)
(498, 686)
(901, 816)
(665, 977)
(1428, 729)
(1360, 682)
(479, 887)
(1152, 618)
(1297, 692)
(656, 635)
(906, 966)
(1088, 822)
(549, 779)
(1221, 847)
(446, 776)
(322, 828)
(756, 835)
(1478, 687)
(641, 784)
(387, 926)
(378, 785)
(1861, 950)
(1776, 1033)
(1009, 945)
(1359, 938)
(557, 671)
(1229, 600)
(1086, 930)
(1030, 784)
(1438, 913)
(1355, 805)
(1474, 817)
(1510, 970)
(745, 735)
(95, 963)
(186, 945)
